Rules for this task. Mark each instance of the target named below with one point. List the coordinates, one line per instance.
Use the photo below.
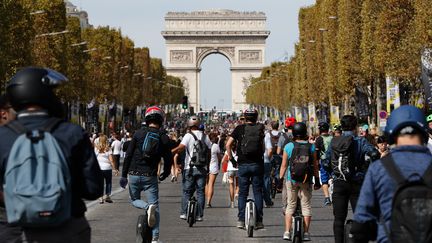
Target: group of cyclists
(352, 165)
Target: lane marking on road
(91, 205)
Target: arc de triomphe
(192, 36)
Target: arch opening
(215, 82)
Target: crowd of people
(387, 180)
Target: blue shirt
(288, 149)
(378, 188)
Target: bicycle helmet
(337, 127)
(251, 115)
(429, 118)
(299, 130)
(289, 122)
(406, 119)
(193, 121)
(35, 86)
(154, 114)
(323, 126)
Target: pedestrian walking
(395, 198)
(107, 164)
(250, 149)
(75, 172)
(116, 147)
(148, 145)
(215, 157)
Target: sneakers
(108, 199)
(259, 225)
(287, 235)
(151, 215)
(232, 205)
(199, 219)
(173, 179)
(306, 236)
(101, 200)
(183, 216)
(240, 224)
(155, 240)
(208, 205)
(327, 201)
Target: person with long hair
(232, 174)
(107, 165)
(213, 168)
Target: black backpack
(201, 153)
(342, 157)
(274, 142)
(301, 162)
(411, 218)
(252, 140)
(151, 147)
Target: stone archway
(191, 37)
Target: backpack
(342, 157)
(37, 178)
(326, 142)
(411, 215)
(151, 145)
(126, 146)
(200, 153)
(301, 162)
(274, 142)
(252, 140)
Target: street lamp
(89, 50)
(107, 58)
(323, 29)
(333, 17)
(311, 41)
(53, 33)
(37, 12)
(79, 44)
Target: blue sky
(143, 20)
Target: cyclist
(299, 178)
(250, 150)
(322, 143)
(407, 129)
(141, 164)
(194, 176)
(270, 158)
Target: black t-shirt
(238, 134)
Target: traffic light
(185, 102)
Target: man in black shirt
(250, 150)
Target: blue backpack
(37, 182)
(151, 145)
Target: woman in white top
(232, 175)
(106, 164)
(213, 168)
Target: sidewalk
(116, 222)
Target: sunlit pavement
(116, 222)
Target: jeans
(148, 184)
(343, 193)
(247, 174)
(107, 175)
(267, 183)
(194, 180)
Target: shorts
(324, 175)
(305, 197)
(213, 168)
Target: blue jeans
(247, 174)
(194, 181)
(267, 183)
(148, 184)
(107, 174)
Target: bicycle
(297, 224)
(191, 211)
(250, 217)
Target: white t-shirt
(188, 141)
(268, 144)
(230, 165)
(116, 147)
(214, 161)
(103, 159)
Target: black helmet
(299, 130)
(251, 114)
(323, 126)
(35, 86)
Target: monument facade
(192, 36)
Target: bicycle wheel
(250, 228)
(297, 229)
(191, 213)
